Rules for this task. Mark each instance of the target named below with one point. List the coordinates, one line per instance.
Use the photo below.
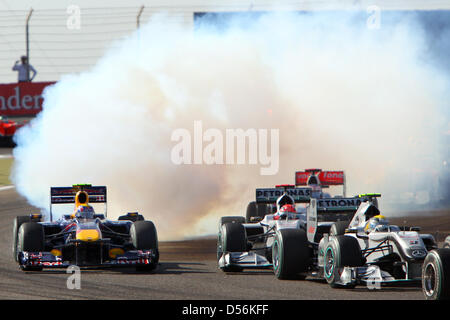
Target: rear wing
(58, 195)
(326, 178)
(338, 204)
(335, 209)
(370, 197)
(329, 210)
(65, 195)
(270, 195)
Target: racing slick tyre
(261, 210)
(232, 238)
(255, 210)
(447, 243)
(18, 221)
(341, 251)
(222, 221)
(231, 219)
(30, 237)
(144, 237)
(436, 275)
(138, 217)
(338, 228)
(251, 211)
(290, 254)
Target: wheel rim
(429, 280)
(275, 256)
(219, 248)
(329, 262)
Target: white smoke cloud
(342, 96)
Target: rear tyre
(436, 275)
(231, 219)
(30, 237)
(290, 254)
(18, 221)
(342, 251)
(262, 210)
(232, 238)
(255, 210)
(138, 217)
(447, 243)
(338, 228)
(144, 237)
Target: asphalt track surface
(187, 270)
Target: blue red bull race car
(83, 237)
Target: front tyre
(222, 221)
(290, 254)
(18, 221)
(436, 275)
(30, 237)
(144, 237)
(341, 251)
(233, 238)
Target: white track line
(6, 188)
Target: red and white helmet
(288, 208)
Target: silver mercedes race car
(372, 252)
(266, 242)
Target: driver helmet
(83, 209)
(81, 197)
(85, 212)
(284, 200)
(285, 211)
(374, 222)
(288, 208)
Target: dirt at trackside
(435, 222)
(190, 250)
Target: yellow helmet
(81, 198)
(375, 221)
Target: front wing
(371, 276)
(249, 260)
(48, 260)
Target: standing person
(23, 69)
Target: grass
(5, 170)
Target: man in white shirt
(23, 70)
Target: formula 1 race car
(314, 179)
(83, 237)
(9, 127)
(370, 250)
(373, 252)
(317, 180)
(262, 243)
